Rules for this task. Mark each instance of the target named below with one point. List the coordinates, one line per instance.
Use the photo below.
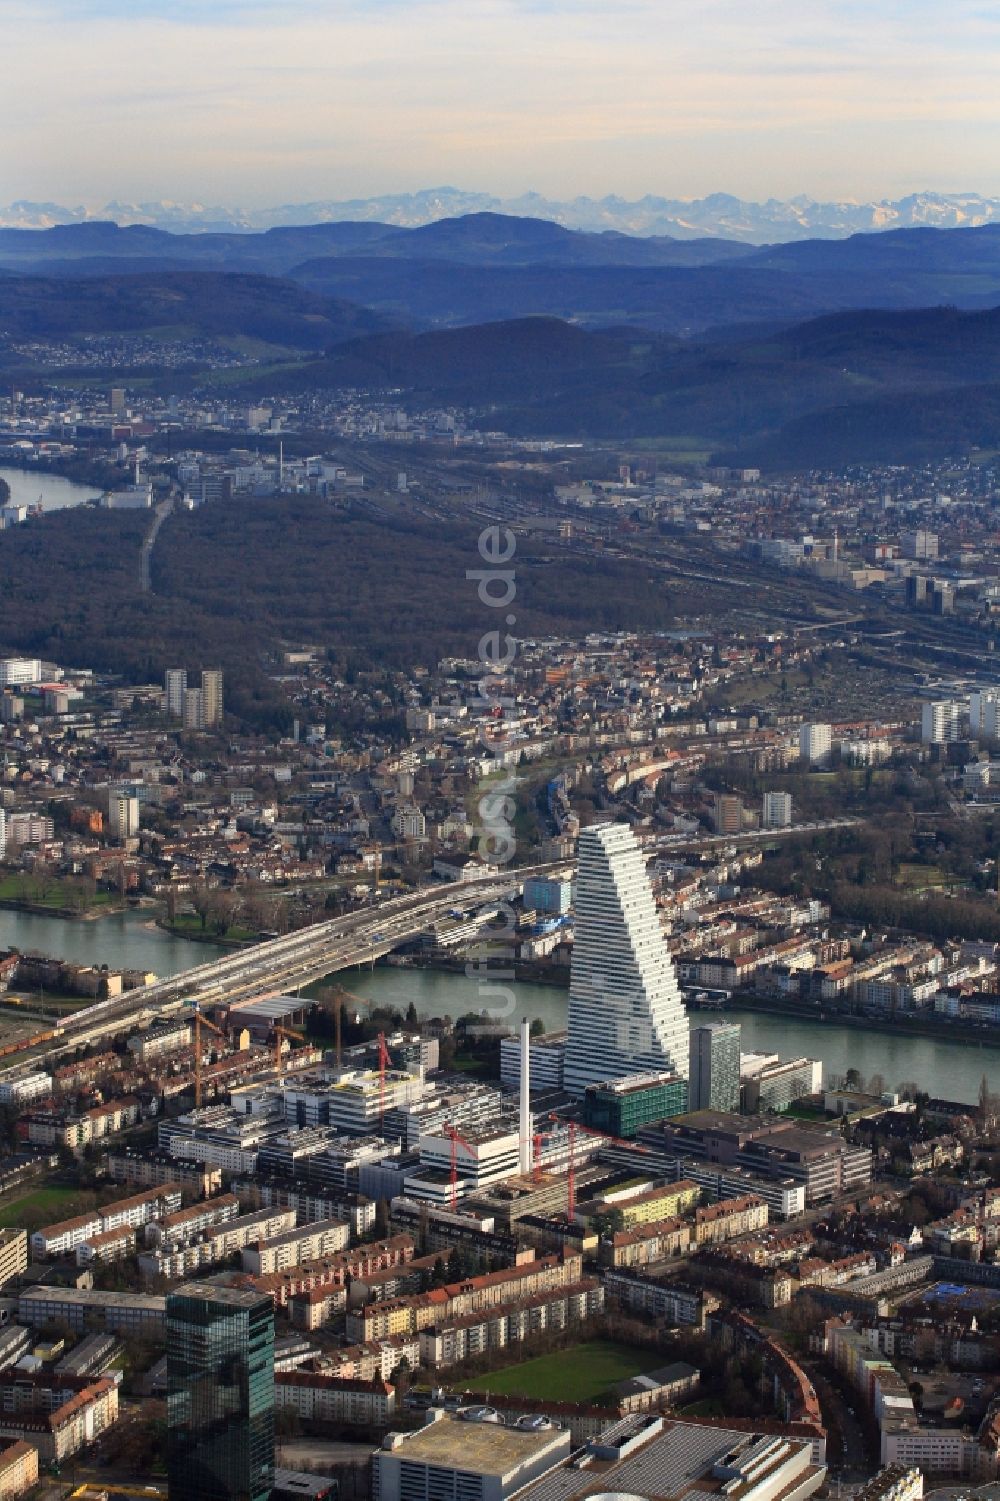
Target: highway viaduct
(278, 965)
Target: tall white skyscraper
(625, 1011)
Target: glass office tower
(220, 1394)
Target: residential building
(714, 1081)
(220, 1394)
(776, 810)
(13, 1254)
(309, 1243)
(318, 1397)
(409, 823)
(815, 743)
(727, 813)
(22, 1089)
(943, 721)
(625, 1010)
(123, 817)
(212, 696)
(175, 686)
(18, 1469)
(58, 1415)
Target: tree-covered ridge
(235, 581)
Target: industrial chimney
(525, 1125)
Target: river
(123, 940)
(29, 486)
(952, 1070)
(132, 940)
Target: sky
(263, 102)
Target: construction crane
(572, 1128)
(338, 995)
(201, 1021)
(454, 1138)
(383, 1063)
(279, 1034)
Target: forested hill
(235, 581)
(187, 303)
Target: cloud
(258, 101)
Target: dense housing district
(466, 1256)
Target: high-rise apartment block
(984, 713)
(220, 1393)
(211, 693)
(943, 721)
(174, 688)
(714, 1081)
(776, 810)
(815, 743)
(727, 813)
(625, 1010)
(198, 708)
(123, 816)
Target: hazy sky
(270, 101)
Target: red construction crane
(383, 1063)
(454, 1137)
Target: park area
(581, 1373)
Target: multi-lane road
(283, 964)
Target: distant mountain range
(489, 267)
(718, 215)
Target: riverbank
(934, 1029)
(65, 914)
(198, 935)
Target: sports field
(45, 1205)
(581, 1373)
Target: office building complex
(623, 1106)
(220, 1393)
(625, 1011)
(714, 1080)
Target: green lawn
(52, 1201)
(60, 895)
(580, 1373)
(189, 925)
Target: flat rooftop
(482, 1448)
(233, 1297)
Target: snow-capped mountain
(719, 214)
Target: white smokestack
(525, 1127)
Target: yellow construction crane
(279, 1033)
(199, 1022)
(338, 995)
